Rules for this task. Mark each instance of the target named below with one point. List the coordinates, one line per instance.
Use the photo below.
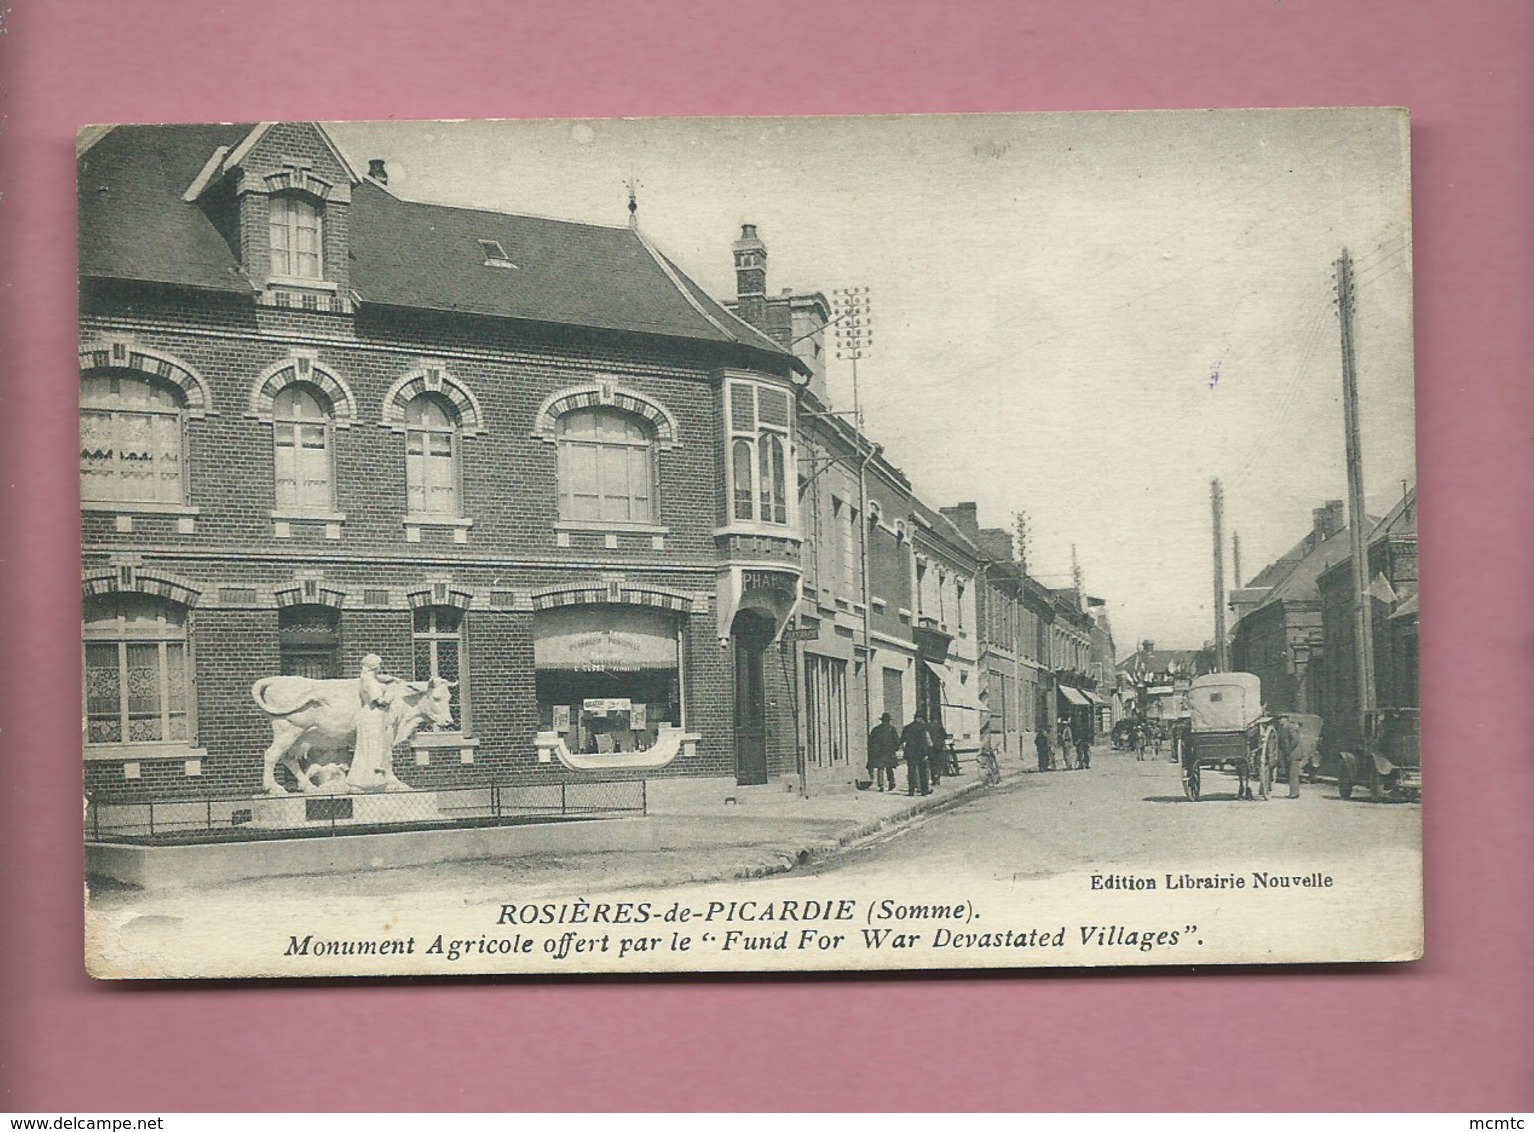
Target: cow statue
(320, 717)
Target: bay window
(759, 419)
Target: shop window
(607, 467)
(607, 676)
(437, 639)
(309, 641)
(759, 419)
(131, 440)
(302, 436)
(825, 704)
(297, 237)
(432, 442)
(137, 677)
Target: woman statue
(373, 757)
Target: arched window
(740, 461)
(301, 433)
(773, 488)
(309, 641)
(131, 448)
(136, 672)
(606, 467)
(437, 633)
(431, 456)
(297, 238)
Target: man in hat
(918, 745)
(883, 753)
(1290, 743)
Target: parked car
(1391, 764)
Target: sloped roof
(135, 225)
(1293, 577)
(1400, 523)
(133, 222)
(1159, 660)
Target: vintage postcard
(748, 544)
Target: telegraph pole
(1217, 506)
(854, 340)
(1358, 537)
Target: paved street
(1119, 814)
(1123, 813)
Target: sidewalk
(784, 830)
(692, 834)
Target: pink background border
(1453, 1032)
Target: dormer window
(495, 255)
(296, 238)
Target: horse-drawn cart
(1227, 727)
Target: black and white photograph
(748, 544)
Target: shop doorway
(750, 634)
(894, 696)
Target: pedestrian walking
(1084, 750)
(1289, 746)
(917, 746)
(1067, 745)
(937, 756)
(883, 753)
(1041, 746)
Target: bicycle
(990, 769)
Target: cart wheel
(1190, 781)
(1344, 782)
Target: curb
(822, 850)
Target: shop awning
(938, 670)
(1407, 608)
(1093, 697)
(1073, 696)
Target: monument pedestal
(300, 811)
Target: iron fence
(262, 817)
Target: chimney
(965, 517)
(751, 277)
(377, 171)
(1147, 646)
(1329, 520)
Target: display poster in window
(1129, 394)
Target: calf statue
(338, 736)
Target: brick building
(321, 421)
(1278, 633)
(1393, 610)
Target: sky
(1083, 317)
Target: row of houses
(531, 457)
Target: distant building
(1279, 632)
(1392, 557)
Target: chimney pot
(377, 170)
